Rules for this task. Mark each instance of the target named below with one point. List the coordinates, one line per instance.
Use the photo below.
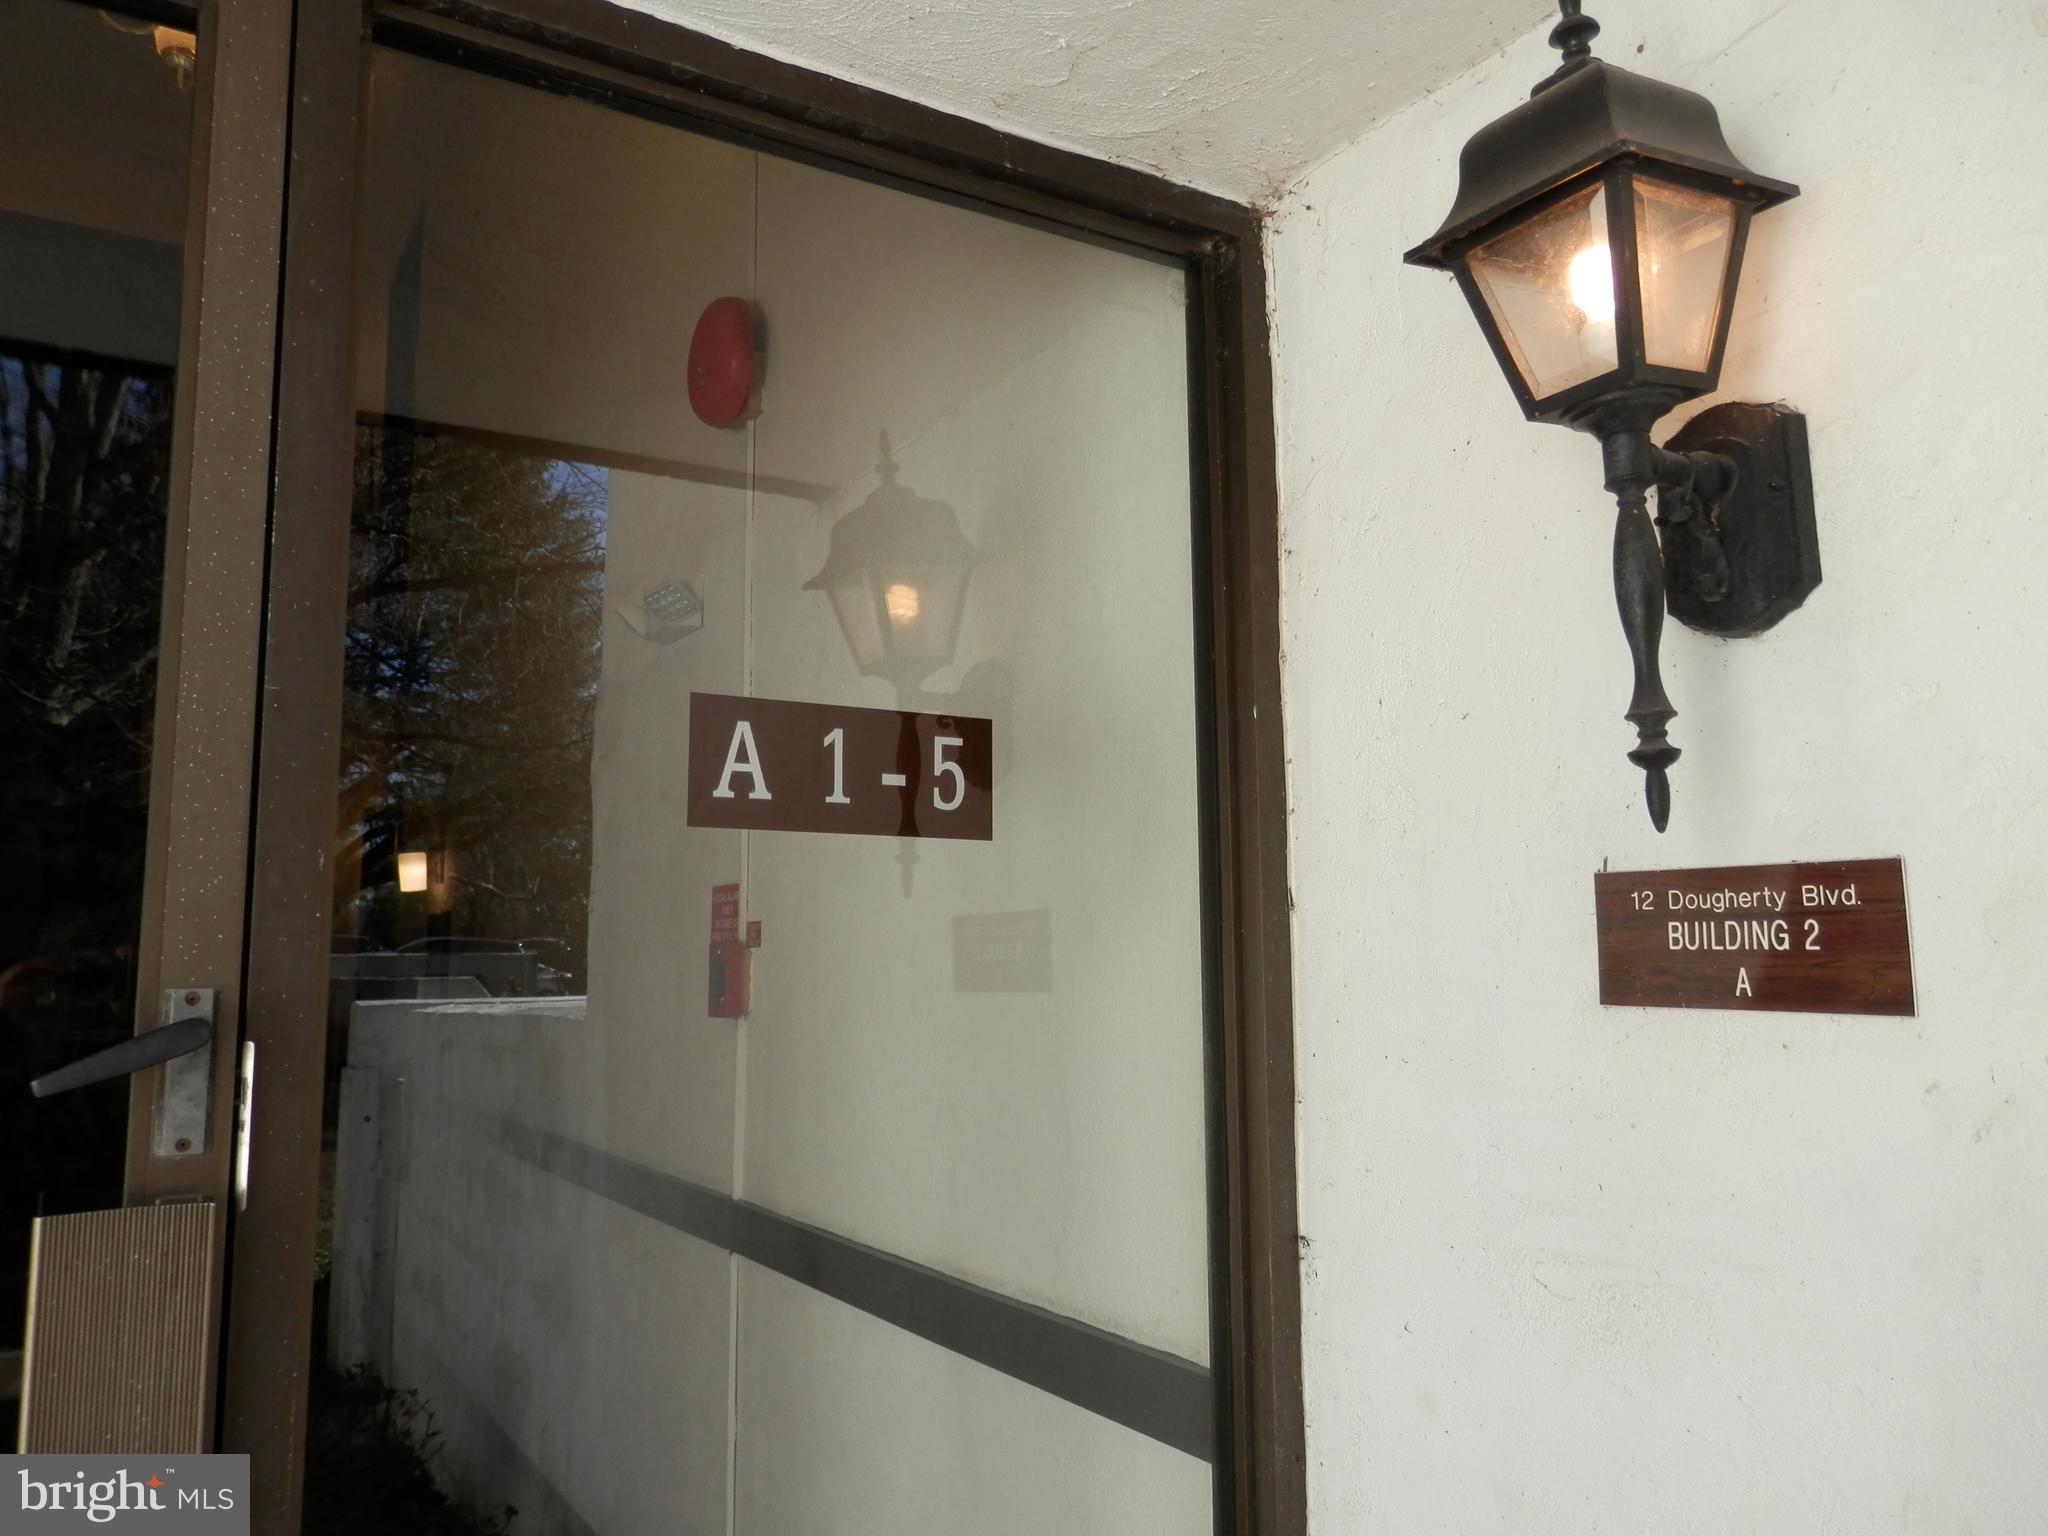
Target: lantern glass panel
(1549, 284)
(860, 616)
(900, 620)
(1683, 238)
(919, 609)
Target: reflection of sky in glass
(21, 381)
(589, 482)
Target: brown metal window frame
(638, 63)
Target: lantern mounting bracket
(1732, 550)
(1741, 549)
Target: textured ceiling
(1233, 96)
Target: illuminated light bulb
(412, 871)
(1590, 279)
(903, 604)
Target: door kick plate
(183, 1105)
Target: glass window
(1549, 282)
(92, 222)
(1685, 237)
(764, 1163)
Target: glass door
(138, 241)
(766, 1086)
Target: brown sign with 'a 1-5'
(1799, 938)
(776, 765)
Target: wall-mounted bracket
(1741, 554)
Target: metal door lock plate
(185, 1102)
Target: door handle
(153, 1047)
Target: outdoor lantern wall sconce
(1598, 235)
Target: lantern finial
(1573, 37)
(887, 467)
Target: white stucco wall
(1570, 1269)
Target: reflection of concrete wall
(574, 1355)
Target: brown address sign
(1798, 938)
(780, 765)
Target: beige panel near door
(120, 1331)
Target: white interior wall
(855, 1428)
(563, 254)
(92, 219)
(1047, 1144)
(1573, 1269)
(112, 130)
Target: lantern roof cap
(894, 526)
(1586, 115)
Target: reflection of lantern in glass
(897, 576)
(177, 48)
(412, 871)
(180, 53)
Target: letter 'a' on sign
(1794, 938)
(743, 757)
(777, 765)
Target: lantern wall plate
(1598, 236)
(1739, 566)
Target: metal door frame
(202, 772)
(637, 63)
(203, 754)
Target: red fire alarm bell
(725, 378)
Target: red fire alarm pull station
(724, 368)
(728, 987)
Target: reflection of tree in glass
(84, 466)
(84, 471)
(475, 610)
